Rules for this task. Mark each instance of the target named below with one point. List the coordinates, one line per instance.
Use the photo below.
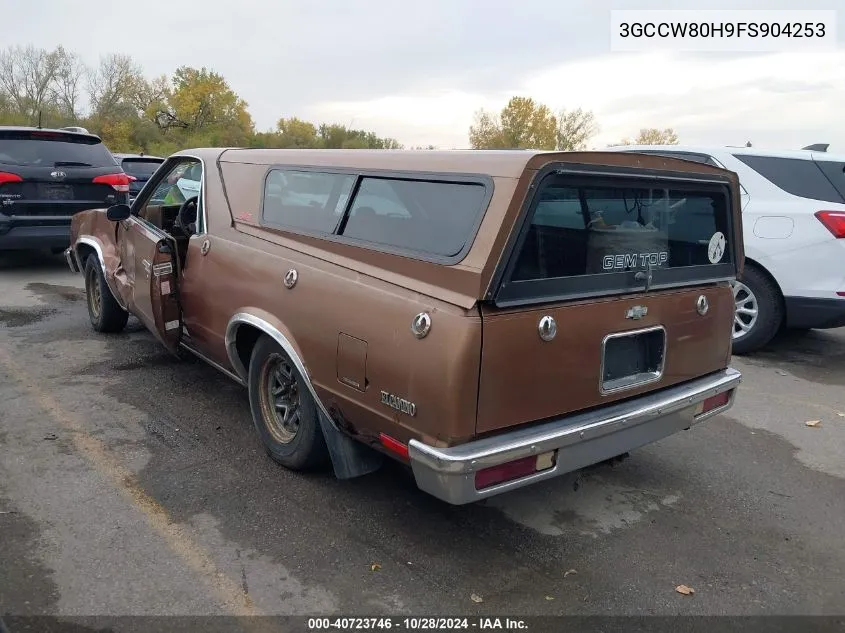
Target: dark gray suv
(48, 175)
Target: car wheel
(104, 311)
(759, 311)
(283, 410)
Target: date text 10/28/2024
(416, 624)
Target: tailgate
(615, 282)
(526, 378)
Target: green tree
(486, 132)
(296, 133)
(202, 101)
(522, 123)
(528, 124)
(335, 136)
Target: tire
(104, 311)
(298, 444)
(756, 291)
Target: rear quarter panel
(439, 373)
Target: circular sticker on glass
(716, 248)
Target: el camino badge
(636, 313)
(394, 402)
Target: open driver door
(156, 290)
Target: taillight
(834, 221)
(394, 445)
(7, 177)
(119, 182)
(516, 469)
(713, 402)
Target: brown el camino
(490, 318)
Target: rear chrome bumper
(578, 440)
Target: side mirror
(118, 212)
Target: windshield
(182, 183)
(53, 149)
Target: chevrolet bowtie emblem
(636, 313)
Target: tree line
(526, 124)
(193, 107)
(196, 107)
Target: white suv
(793, 210)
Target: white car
(793, 210)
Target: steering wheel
(186, 218)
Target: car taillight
(834, 221)
(119, 182)
(394, 445)
(516, 469)
(713, 402)
(7, 177)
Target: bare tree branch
(574, 129)
(67, 89)
(27, 75)
(113, 83)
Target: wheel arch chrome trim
(89, 241)
(245, 318)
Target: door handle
(147, 267)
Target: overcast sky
(418, 71)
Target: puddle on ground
(22, 317)
(49, 291)
(598, 507)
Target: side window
(312, 201)
(793, 175)
(379, 197)
(435, 218)
(835, 172)
(560, 208)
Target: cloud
(776, 96)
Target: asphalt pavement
(132, 483)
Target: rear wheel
(105, 313)
(283, 410)
(759, 311)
